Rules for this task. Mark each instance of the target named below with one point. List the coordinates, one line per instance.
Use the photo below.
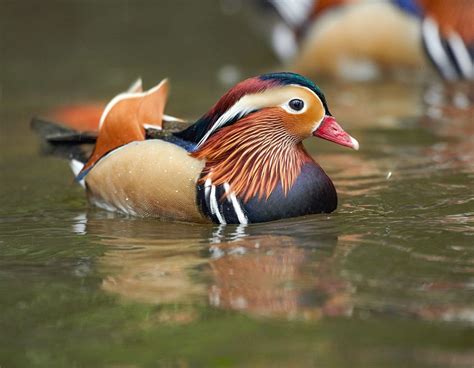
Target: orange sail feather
(125, 117)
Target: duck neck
(252, 157)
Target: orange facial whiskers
(253, 156)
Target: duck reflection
(234, 267)
(146, 260)
(272, 276)
(449, 115)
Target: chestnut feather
(253, 155)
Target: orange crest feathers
(126, 116)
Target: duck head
(296, 103)
(251, 139)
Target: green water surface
(385, 281)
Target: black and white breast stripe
(219, 204)
(450, 56)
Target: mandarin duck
(241, 162)
(359, 39)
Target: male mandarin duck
(357, 39)
(241, 162)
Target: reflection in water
(273, 277)
(242, 269)
(451, 100)
(391, 220)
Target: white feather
(136, 86)
(435, 48)
(151, 126)
(214, 205)
(463, 58)
(294, 12)
(238, 110)
(76, 167)
(284, 42)
(238, 210)
(236, 205)
(207, 191)
(173, 119)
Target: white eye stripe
(253, 102)
(238, 110)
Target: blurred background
(385, 281)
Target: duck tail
(60, 133)
(60, 140)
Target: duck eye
(296, 104)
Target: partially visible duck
(359, 39)
(447, 32)
(241, 162)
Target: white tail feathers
(76, 167)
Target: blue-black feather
(409, 6)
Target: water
(385, 281)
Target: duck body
(151, 178)
(313, 192)
(242, 162)
(142, 179)
(360, 39)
